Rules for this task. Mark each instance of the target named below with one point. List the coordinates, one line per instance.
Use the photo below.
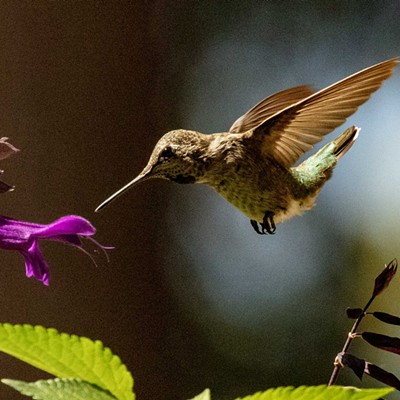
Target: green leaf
(68, 356)
(319, 393)
(59, 389)
(205, 395)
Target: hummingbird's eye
(166, 153)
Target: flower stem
(338, 366)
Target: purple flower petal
(35, 264)
(14, 233)
(75, 240)
(70, 225)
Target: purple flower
(24, 237)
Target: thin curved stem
(350, 337)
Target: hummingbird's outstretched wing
(268, 107)
(292, 131)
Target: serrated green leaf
(68, 356)
(205, 395)
(59, 389)
(322, 392)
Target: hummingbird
(253, 164)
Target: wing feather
(268, 107)
(304, 123)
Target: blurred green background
(193, 297)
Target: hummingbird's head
(178, 156)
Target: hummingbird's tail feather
(345, 141)
(318, 168)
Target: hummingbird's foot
(267, 226)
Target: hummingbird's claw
(254, 224)
(267, 226)
(268, 223)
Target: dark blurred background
(193, 297)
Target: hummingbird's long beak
(144, 175)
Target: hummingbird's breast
(256, 185)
